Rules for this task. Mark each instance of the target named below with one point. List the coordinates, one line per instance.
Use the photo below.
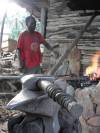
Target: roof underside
(33, 6)
(83, 4)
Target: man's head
(31, 23)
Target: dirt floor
(3, 127)
(5, 115)
(7, 92)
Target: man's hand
(21, 63)
(21, 68)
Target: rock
(97, 94)
(98, 110)
(83, 98)
(94, 124)
(3, 127)
(85, 128)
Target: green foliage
(16, 23)
(38, 25)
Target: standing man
(28, 48)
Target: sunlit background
(13, 17)
(12, 8)
(14, 21)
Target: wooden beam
(25, 3)
(43, 21)
(2, 28)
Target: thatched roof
(33, 6)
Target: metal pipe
(2, 28)
(43, 21)
(65, 100)
(10, 77)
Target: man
(29, 48)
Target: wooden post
(43, 21)
(2, 28)
(74, 43)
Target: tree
(15, 22)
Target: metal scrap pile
(5, 115)
(8, 89)
(8, 63)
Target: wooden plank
(43, 21)
(2, 28)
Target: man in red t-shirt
(29, 48)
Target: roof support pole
(74, 43)
(43, 21)
(2, 28)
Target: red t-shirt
(30, 48)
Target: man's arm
(21, 64)
(48, 46)
(20, 51)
